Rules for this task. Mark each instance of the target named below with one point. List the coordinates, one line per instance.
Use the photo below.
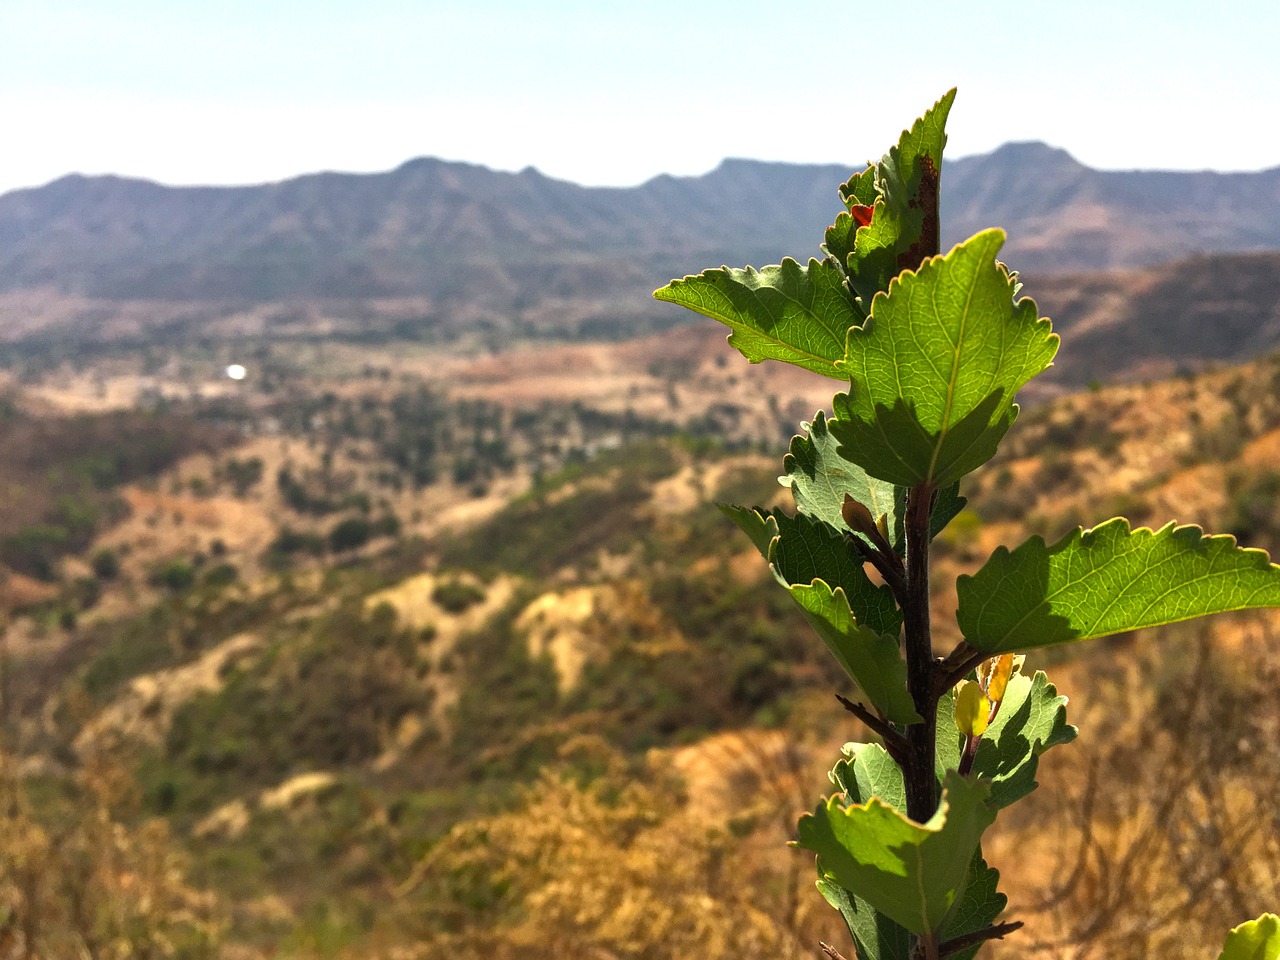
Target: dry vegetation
(553, 709)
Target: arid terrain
(363, 592)
(305, 639)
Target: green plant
(933, 348)
(456, 596)
(176, 575)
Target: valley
(363, 592)
(328, 627)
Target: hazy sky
(608, 92)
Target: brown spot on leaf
(925, 200)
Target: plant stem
(894, 742)
(926, 947)
(956, 667)
(997, 932)
(921, 782)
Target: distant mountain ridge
(522, 250)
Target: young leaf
(1256, 940)
(879, 250)
(796, 314)
(904, 226)
(1032, 718)
(911, 872)
(860, 189)
(919, 149)
(872, 660)
(1093, 583)
(971, 709)
(868, 771)
(838, 245)
(819, 478)
(761, 527)
(808, 550)
(935, 368)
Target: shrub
(456, 596)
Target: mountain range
(468, 247)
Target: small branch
(891, 572)
(926, 947)
(997, 932)
(894, 741)
(830, 951)
(956, 666)
(878, 551)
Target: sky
(249, 91)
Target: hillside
(1150, 323)
(428, 670)
(433, 248)
(1062, 216)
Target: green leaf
(875, 936)
(871, 659)
(904, 227)
(838, 245)
(949, 741)
(1032, 718)
(860, 189)
(877, 249)
(977, 908)
(913, 873)
(935, 368)
(819, 477)
(796, 314)
(761, 527)
(1256, 940)
(918, 151)
(806, 550)
(814, 563)
(868, 771)
(1109, 580)
(945, 508)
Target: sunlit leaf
(1032, 718)
(913, 873)
(935, 368)
(1093, 583)
(819, 478)
(1256, 940)
(797, 314)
